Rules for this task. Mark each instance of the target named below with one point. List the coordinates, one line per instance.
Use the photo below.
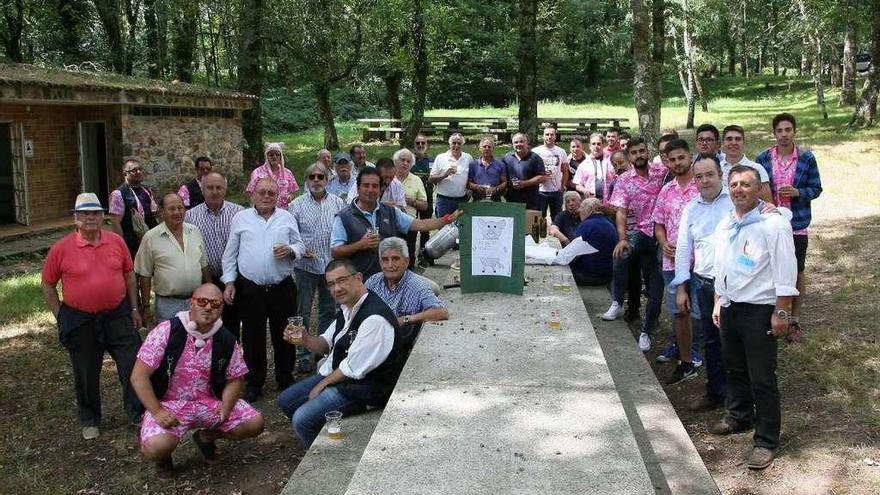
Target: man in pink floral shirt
(674, 196)
(188, 375)
(274, 167)
(636, 190)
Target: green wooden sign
(492, 247)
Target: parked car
(863, 62)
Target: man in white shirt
(595, 171)
(755, 272)
(257, 268)
(556, 169)
(364, 356)
(733, 143)
(449, 174)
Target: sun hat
(87, 202)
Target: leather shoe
(250, 395)
(761, 458)
(729, 426)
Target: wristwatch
(782, 314)
(406, 320)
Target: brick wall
(53, 172)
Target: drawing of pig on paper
(491, 252)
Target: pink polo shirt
(639, 194)
(667, 212)
(92, 276)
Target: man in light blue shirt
(344, 179)
(257, 267)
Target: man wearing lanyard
(755, 275)
(795, 182)
(257, 267)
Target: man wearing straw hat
(99, 311)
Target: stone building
(65, 132)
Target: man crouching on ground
(171, 378)
(364, 356)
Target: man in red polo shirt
(99, 311)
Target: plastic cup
(555, 322)
(297, 323)
(334, 425)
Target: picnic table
(384, 129)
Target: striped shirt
(315, 220)
(412, 295)
(215, 229)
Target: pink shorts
(196, 414)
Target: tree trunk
(646, 88)
(690, 53)
(420, 76)
(325, 112)
(70, 18)
(865, 114)
(13, 15)
(185, 26)
(527, 80)
(593, 69)
(848, 83)
(834, 62)
(815, 41)
(392, 90)
(745, 48)
(250, 78)
(154, 57)
(132, 12)
(111, 20)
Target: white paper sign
(492, 241)
(28, 148)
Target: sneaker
(794, 335)
(613, 312)
(684, 371)
(670, 354)
(644, 342)
(696, 358)
(90, 432)
(761, 458)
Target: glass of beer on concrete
(334, 425)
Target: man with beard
(755, 273)
(343, 181)
(314, 213)
(637, 190)
(132, 206)
(667, 212)
(525, 172)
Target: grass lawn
(830, 385)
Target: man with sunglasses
(257, 268)
(188, 374)
(365, 354)
(132, 206)
(314, 213)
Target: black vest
(195, 193)
(376, 386)
(129, 202)
(356, 225)
(222, 345)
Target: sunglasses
(334, 283)
(317, 177)
(204, 301)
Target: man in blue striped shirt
(409, 295)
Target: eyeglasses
(421, 143)
(262, 192)
(204, 301)
(133, 170)
(317, 177)
(344, 278)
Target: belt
(703, 279)
(287, 281)
(451, 198)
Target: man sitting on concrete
(599, 232)
(566, 221)
(410, 296)
(189, 374)
(364, 356)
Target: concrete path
(494, 401)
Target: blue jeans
(306, 284)
(552, 200)
(307, 416)
(643, 252)
(445, 205)
(716, 382)
(672, 308)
